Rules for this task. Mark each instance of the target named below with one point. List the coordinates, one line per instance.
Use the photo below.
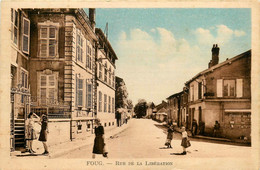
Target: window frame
(14, 26)
(49, 25)
(100, 101)
(47, 86)
(24, 35)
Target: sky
(160, 49)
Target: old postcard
(130, 85)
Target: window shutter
(76, 98)
(26, 37)
(239, 87)
(219, 87)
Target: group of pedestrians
(30, 133)
(185, 142)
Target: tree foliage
(140, 108)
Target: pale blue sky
(160, 49)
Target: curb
(89, 141)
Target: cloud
(239, 33)
(223, 35)
(152, 62)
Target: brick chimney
(215, 55)
(92, 17)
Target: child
(185, 143)
(169, 137)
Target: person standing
(43, 133)
(30, 133)
(118, 118)
(185, 143)
(194, 127)
(169, 136)
(99, 144)
(216, 129)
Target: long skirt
(185, 143)
(30, 134)
(99, 144)
(43, 136)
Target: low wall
(59, 132)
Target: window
(79, 47)
(200, 90)
(100, 102)
(113, 105)
(105, 73)
(100, 71)
(229, 88)
(80, 92)
(48, 41)
(192, 93)
(89, 57)
(26, 35)
(14, 26)
(48, 84)
(109, 78)
(89, 95)
(109, 104)
(113, 79)
(24, 79)
(105, 103)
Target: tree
(140, 108)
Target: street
(145, 138)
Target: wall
(60, 128)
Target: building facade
(106, 58)
(223, 93)
(20, 86)
(177, 108)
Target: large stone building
(62, 67)
(222, 93)
(54, 53)
(106, 58)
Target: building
(159, 111)
(177, 108)
(106, 58)
(149, 111)
(62, 69)
(20, 86)
(222, 93)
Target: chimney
(215, 55)
(92, 17)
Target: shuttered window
(100, 71)
(100, 101)
(80, 92)
(105, 103)
(79, 47)
(239, 87)
(113, 105)
(109, 104)
(89, 95)
(26, 35)
(48, 41)
(48, 89)
(14, 26)
(219, 88)
(192, 93)
(24, 79)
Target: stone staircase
(19, 133)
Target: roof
(211, 69)
(100, 33)
(174, 95)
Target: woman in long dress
(99, 143)
(30, 133)
(43, 133)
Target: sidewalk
(66, 147)
(178, 129)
